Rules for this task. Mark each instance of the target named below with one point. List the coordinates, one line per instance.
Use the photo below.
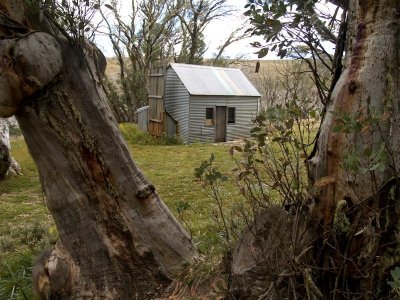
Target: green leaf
(274, 24)
(262, 53)
(282, 53)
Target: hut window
(231, 115)
(209, 116)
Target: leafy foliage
(301, 30)
(73, 18)
(212, 178)
(207, 173)
(362, 157)
(287, 24)
(272, 163)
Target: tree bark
(368, 86)
(118, 240)
(356, 169)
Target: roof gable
(205, 80)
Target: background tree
(343, 245)
(236, 35)
(195, 18)
(117, 238)
(139, 40)
(184, 55)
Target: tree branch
(341, 3)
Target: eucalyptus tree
(196, 16)
(139, 39)
(235, 36)
(117, 238)
(347, 243)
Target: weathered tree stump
(275, 249)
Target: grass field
(26, 227)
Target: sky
(216, 33)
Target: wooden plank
(157, 75)
(155, 128)
(155, 121)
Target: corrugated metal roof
(205, 80)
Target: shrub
(135, 136)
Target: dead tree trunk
(118, 240)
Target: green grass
(26, 227)
(171, 169)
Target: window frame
(209, 121)
(228, 120)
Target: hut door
(220, 124)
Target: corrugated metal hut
(210, 104)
